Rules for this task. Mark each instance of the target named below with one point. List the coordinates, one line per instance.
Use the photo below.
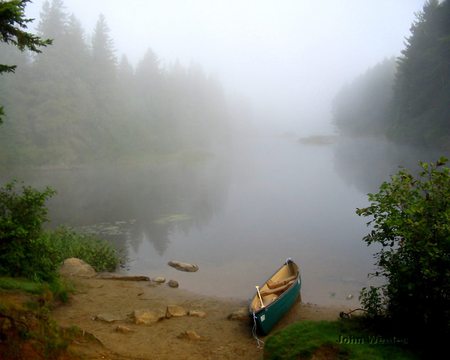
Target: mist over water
(204, 175)
(238, 216)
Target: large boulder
(74, 267)
(183, 266)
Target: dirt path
(219, 337)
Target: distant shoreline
(318, 139)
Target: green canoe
(273, 299)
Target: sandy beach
(194, 326)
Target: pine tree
(422, 88)
(103, 54)
(13, 24)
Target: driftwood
(107, 276)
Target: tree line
(405, 99)
(77, 101)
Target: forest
(78, 102)
(405, 99)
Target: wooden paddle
(259, 295)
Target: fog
(289, 58)
(144, 155)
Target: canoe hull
(268, 316)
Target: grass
(98, 253)
(343, 340)
(26, 285)
(57, 289)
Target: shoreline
(105, 308)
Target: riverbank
(108, 310)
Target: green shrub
(27, 251)
(98, 253)
(410, 219)
(22, 214)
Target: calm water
(238, 217)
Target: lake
(238, 216)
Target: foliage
(10, 283)
(410, 219)
(22, 214)
(362, 107)
(58, 289)
(421, 94)
(13, 24)
(27, 332)
(333, 340)
(74, 104)
(408, 101)
(26, 250)
(96, 252)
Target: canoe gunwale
(266, 317)
(286, 291)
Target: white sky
(288, 57)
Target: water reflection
(366, 162)
(238, 216)
(132, 204)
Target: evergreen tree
(422, 89)
(103, 55)
(13, 24)
(362, 108)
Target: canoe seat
(277, 290)
(275, 284)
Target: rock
(197, 313)
(183, 266)
(349, 296)
(109, 276)
(74, 267)
(190, 335)
(240, 314)
(123, 329)
(173, 283)
(109, 318)
(148, 317)
(175, 311)
(159, 279)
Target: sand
(213, 336)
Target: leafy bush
(410, 219)
(98, 253)
(22, 213)
(27, 251)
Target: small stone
(147, 317)
(175, 311)
(123, 329)
(173, 283)
(349, 296)
(109, 318)
(190, 335)
(197, 313)
(240, 314)
(159, 279)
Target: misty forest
(404, 99)
(130, 161)
(87, 105)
